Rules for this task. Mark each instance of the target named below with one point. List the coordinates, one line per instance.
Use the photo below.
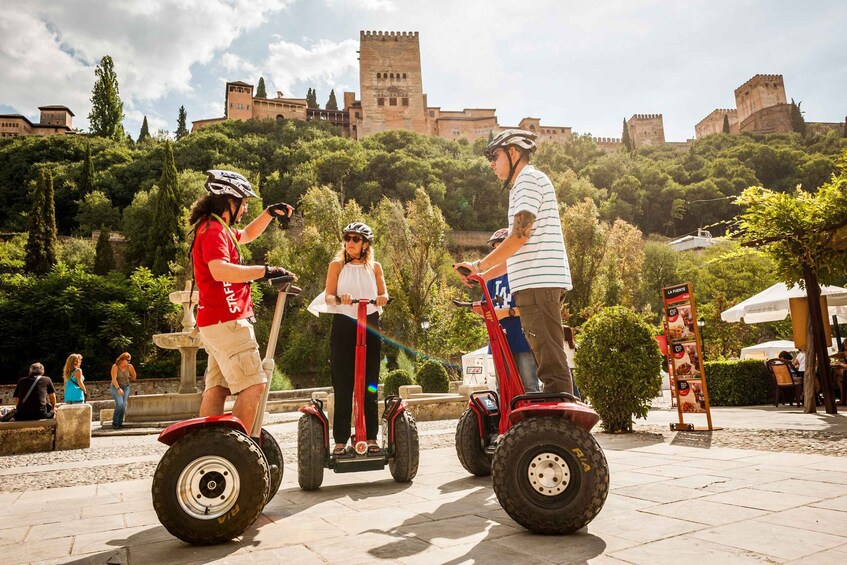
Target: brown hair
(123, 356)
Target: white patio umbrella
(771, 305)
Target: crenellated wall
(758, 93)
(713, 123)
(646, 129)
(391, 82)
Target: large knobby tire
(550, 475)
(311, 452)
(404, 464)
(210, 486)
(276, 466)
(469, 448)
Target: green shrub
(618, 365)
(394, 380)
(433, 377)
(738, 383)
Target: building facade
(54, 120)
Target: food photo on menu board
(680, 322)
(690, 395)
(686, 361)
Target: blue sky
(571, 63)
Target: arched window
(279, 118)
(391, 75)
(378, 75)
(404, 75)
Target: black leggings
(343, 350)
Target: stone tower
(758, 93)
(646, 129)
(239, 100)
(390, 82)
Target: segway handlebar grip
(464, 271)
(461, 304)
(284, 279)
(371, 301)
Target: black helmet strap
(512, 166)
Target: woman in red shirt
(225, 310)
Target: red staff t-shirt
(219, 301)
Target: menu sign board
(685, 358)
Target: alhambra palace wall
(392, 97)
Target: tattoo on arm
(523, 224)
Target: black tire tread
(404, 464)
(549, 430)
(276, 464)
(311, 452)
(187, 528)
(469, 445)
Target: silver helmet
(518, 137)
(360, 228)
(228, 183)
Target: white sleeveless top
(355, 280)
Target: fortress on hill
(392, 97)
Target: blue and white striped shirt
(542, 261)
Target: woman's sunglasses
(353, 238)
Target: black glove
(274, 272)
(282, 212)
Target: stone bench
(70, 429)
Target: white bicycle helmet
(360, 228)
(518, 137)
(498, 236)
(229, 183)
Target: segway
(400, 447)
(549, 473)
(216, 477)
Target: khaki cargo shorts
(234, 360)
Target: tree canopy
(107, 109)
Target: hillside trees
(164, 232)
(104, 260)
(41, 240)
(144, 134)
(107, 109)
(181, 127)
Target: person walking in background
(510, 321)
(34, 396)
(122, 373)
(533, 254)
(353, 274)
(75, 390)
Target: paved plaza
(673, 499)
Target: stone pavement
(669, 503)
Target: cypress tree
(86, 176)
(627, 142)
(260, 90)
(332, 103)
(312, 99)
(107, 109)
(104, 259)
(726, 123)
(164, 231)
(145, 131)
(798, 124)
(41, 243)
(181, 129)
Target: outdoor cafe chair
(784, 382)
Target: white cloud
(236, 66)
(323, 61)
(154, 44)
(369, 5)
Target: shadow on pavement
(413, 531)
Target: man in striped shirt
(533, 254)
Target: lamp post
(425, 328)
(701, 323)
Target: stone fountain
(187, 341)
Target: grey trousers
(541, 318)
